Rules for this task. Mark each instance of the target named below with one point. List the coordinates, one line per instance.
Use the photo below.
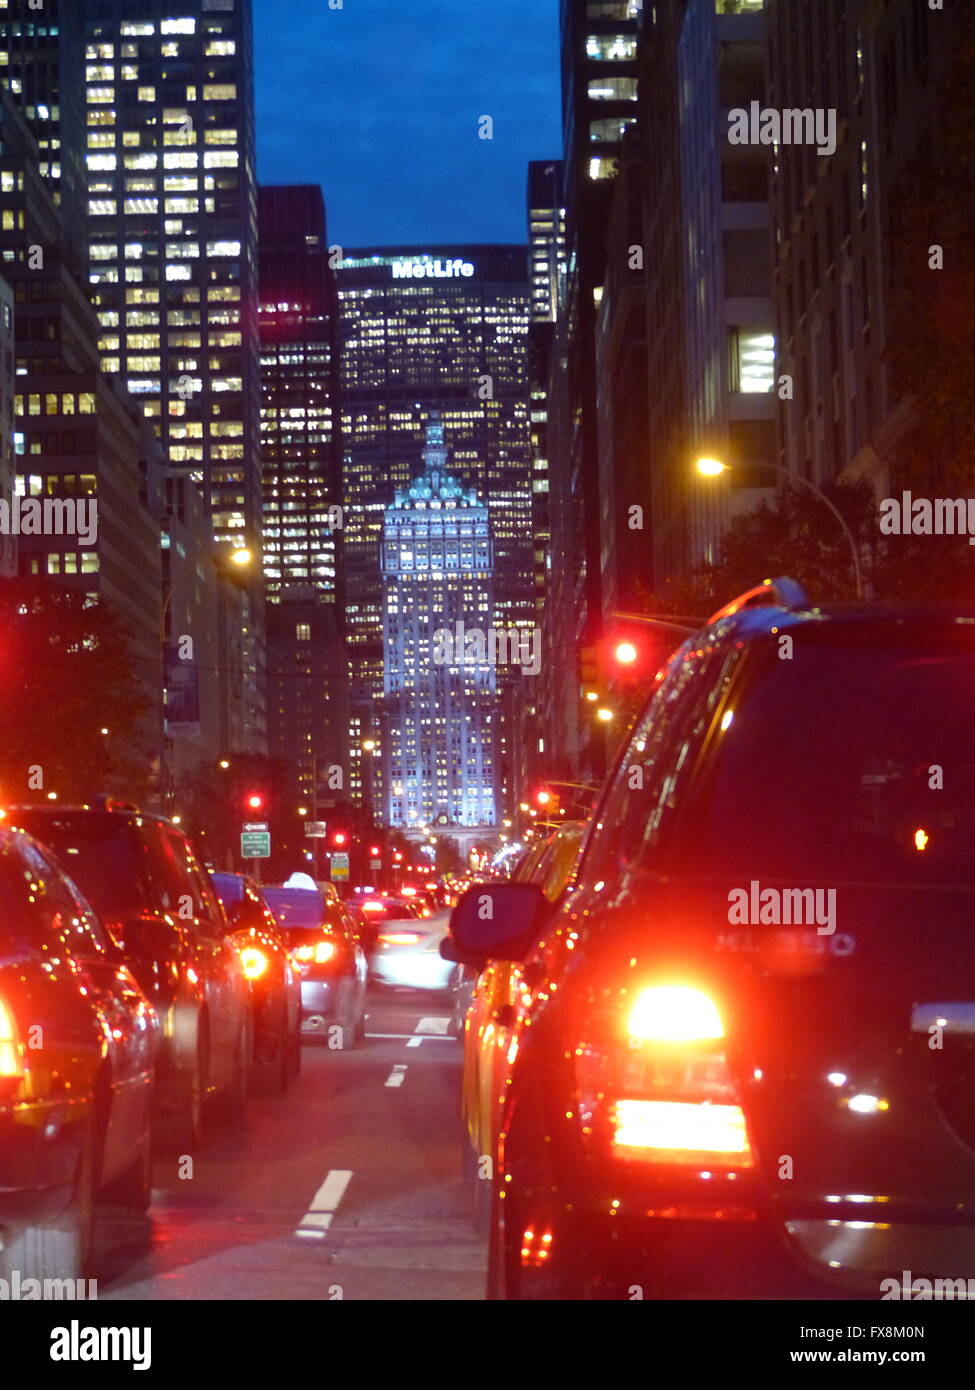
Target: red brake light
(657, 1086)
(400, 938)
(11, 1048)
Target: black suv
(747, 1066)
(141, 876)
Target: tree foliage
(66, 673)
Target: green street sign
(255, 844)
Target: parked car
(143, 879)
(78, 1042)
(331, 961)
(746, 1062)
(497, 1000)
(275, 983)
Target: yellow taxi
(494, 1016)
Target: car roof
(778, 605)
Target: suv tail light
(318, 954)
(12, 1066)
(658, 1088)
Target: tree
(215, 797)
(66, 674)
(797, 536)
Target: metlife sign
(425, 268)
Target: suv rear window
(296, 907)
(847, 762)
(102, 855)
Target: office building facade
(440, 690)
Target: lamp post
(710, 468)
(240, 557)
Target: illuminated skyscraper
(173, 232)
(422, 330)
(440, 694)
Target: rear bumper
(318, 999)
(411, 968)
(721, 1237)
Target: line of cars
(139, 995)
(734, 1057)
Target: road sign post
(255, 845)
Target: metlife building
(421, 330)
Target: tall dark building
(42, 62)
(307, 669)
(79, 440)
(427, 329)
(599, 91)
(299, 457)
(842, 263)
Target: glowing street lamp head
(604, 715)
(241, 556)
(710, 468)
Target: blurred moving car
(273, 976)
(747, 1062)
(331, 963)
(78, 1040)
(143, 879)
(498, 999)
(407, 951)
(377, 908)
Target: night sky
(379, 103)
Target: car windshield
(847, 762)
(102, 856)
(296, 907)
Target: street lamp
(711, 468)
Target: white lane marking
(397, 1076)
(330, 1194)
(414, 1041)
(432, 1025)
(324, 1204)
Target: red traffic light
(543, 797)
(398, 857)
(339, 838)
(254, 802)
(625, 653)
(374, 851)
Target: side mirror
(496, 921)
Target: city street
(371, 1137)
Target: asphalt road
(346, 1187)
